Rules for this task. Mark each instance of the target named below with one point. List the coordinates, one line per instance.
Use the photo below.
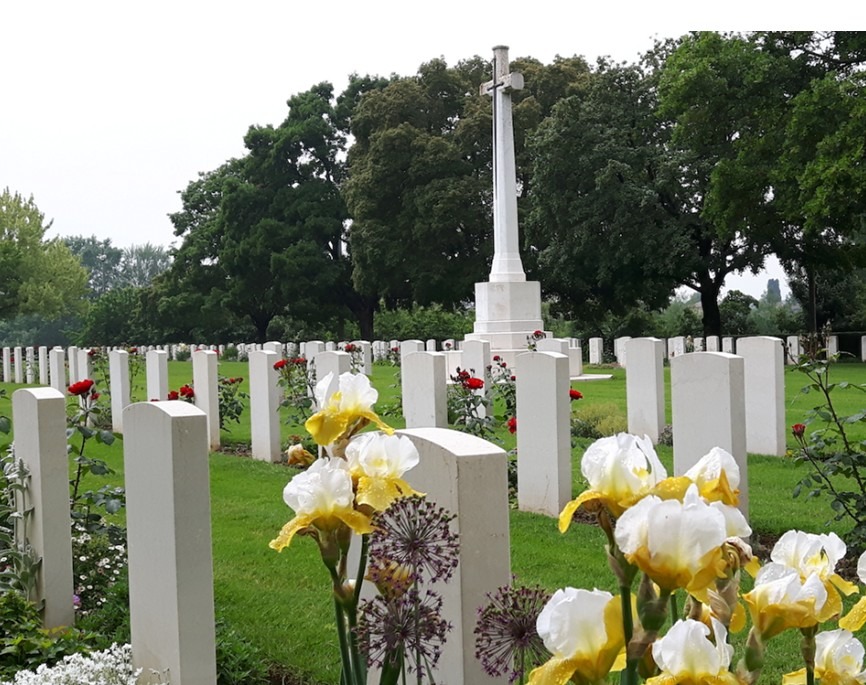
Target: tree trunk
(364, 313)
(812, 312)
(712, 317)
(261, 323)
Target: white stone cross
(506, 244)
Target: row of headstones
(679, 345)
(24, 365)
(169, 529)
(718, 399)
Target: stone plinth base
(506, 313)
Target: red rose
(474, 384)
(349, 347)
(81, 387)
(537, 334)
(280, 363)
(94, 395)
(173, 395)
(512, 425)
(496, 357)
(799, 430)
(514, 378)
(575, 394)
(187, 392)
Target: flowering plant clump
(297, 379)
(88, 507)
(19, 563)
(502, 383)
(112, 666)
(837, 462)
(393, 356)
(359, 489)
(468, 407)
(684, 534)
(533, 338)
(231, 400)
(99, 563)
(356, 356)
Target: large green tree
(100, 258)
(37, 276)
(695, 165)
(607, 218)
(265, 235)
(817, 201)
(420, 186)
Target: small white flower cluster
(94, 575)
(112, 666)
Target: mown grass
(280, 602)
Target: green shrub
(422, 323)
(25, 644)
(595, 421)
(238, 662)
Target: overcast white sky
(110, 108)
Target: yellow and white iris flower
(322, 499)
(781, 599)
(378, 462)
(838, 660)
(353, 401)
(620, 470)
(679, 544)
(687, 655)
(810, 553)
(583, 631)
(855, 618)
(716, 475)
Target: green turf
(280, 602)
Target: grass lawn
(280, 602)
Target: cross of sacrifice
(506, 266)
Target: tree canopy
(36, 275)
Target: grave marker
(156, 373)
(57, 363)
(645, 387)
(118, 374)
(596, 350)
(708, 407)
(39, 417)
(18, 364)
(205, 382)
(265, 405)
(455, 469)
(765, 394)
(543, 432)
(424, 390)
(169, 539)
(43, 365)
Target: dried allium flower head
(409, 625)
(506, 640)
(416, 534)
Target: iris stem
(347, 677)
(358, 666)
(629, 673)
